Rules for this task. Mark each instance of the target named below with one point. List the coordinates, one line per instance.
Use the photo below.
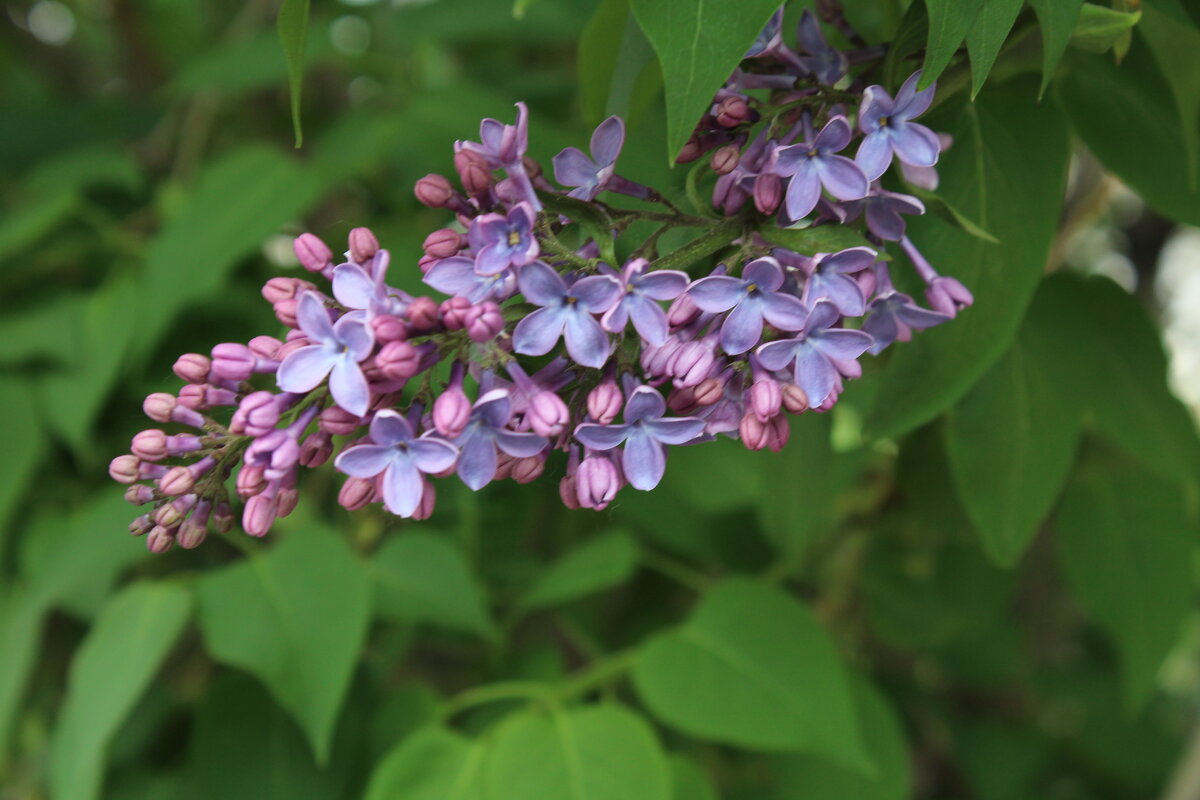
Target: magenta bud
(250, 481)
(124, 469)
(281, 288)
(692, 150)
(139, 494)
(768, 192)
(388, 328)
(159, 406)
(177, 481)
(192, 367)
(313, 254)
(286, 502)
(454, 313)
(398, 361)
(259, 514)
(725, 159)
(528, 469)
(709, 391)
(285, 311)
(451, 412)
(596, 482)
(191, 533)
(691, 364)
(149, 445)
(766, 397)
(442, 243)
(232, 362)
(363, 245)
(423, 313)
(259, 413)
(604, 402)
(169, 515)
(424, 509)
(289, 347)
(160, 539)
(732, 111)
(434, 191)
(532, 168)
(683, 401)
(222, 518)
(316, 449)
(426, 262)
(356, 493)
(568, 492)
(794, 398)
(483, 322)
(683, 311)
(473, 172)
(141, 526)
(547, 414)
(338, 421)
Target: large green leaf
(1176, 48)
(599, 563)
(1056, 21)
(1100, 28)
(24, 439)
(21, 619)
(689, 781)
(593, 753)
(987, 35)
(699, 43)
(431, 764)
(1108, 106)
(295, 618)
(292, 25)
(752, 667)
(422, 577)
(1126, 545)
(116, 662)
(1006, 170)
(949, 23)
(1012, 439)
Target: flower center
(885, 122)
(514, 238)
(752, 288)
(571, 301)
(812, 152)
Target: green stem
(720, 235)
(496, 693)
(675, 569)
(600, 673)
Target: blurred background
(149, 185)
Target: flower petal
(520, 445)
(803, 192)
(432, 454)
(841, 344)
(874, 155)
(663, 284)
(313, 318)
(784, 311)
(389, 428)
(587, 342)
(596, 293)
(454, 276)
(644, 460)
(814, 374)
(537, 334)
(834, 136)
(402, 487)
(494, 408)
(649, 319)
(365, 460)
(743, 327)
(644, 402)
(607, 140)
(765, 273)
(778, 354)
(540, 284)
(477, 460)
(876, 104)
(601, 437)
(910, 103)
(304, 369)
(617, 317)
(352, 287)
(674, 430)
(354, 333)
(915, 144)
(493, 258)
(348, 386)
(843, 178)
(822, 315)
(717, 293)
(573, 168)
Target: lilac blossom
(456, 276)
(503, 146)
(645, 434)
(485, 432)
(401, 457)
(365, 292)
(768, 38)
(753, 298)
(827, 64)
(830, 281)
(640, 291)
(811, 165)
(566, 312)
(337, 350)
(814, 352)
(590, 176)
(890, 130)
(883, 210)
(732, 188)
(893, 316)
(502, 241)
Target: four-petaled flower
(565, 310)
(639, 291)
(829, 282)
(814, 351)
(457, 276)
(502, 145)
(753, 297)
(401, 457)
(484, 433)
(893, 316)
(890, 130)
(590, 176)
(365, 292)
(827, 64)
(501, 241)
(336, 350)
(645, 434)
(811, 165)
(883, 210)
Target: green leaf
(819, 239)
(292, 25)
(1012, 439)
(1007, 169)
(1126, 545)
(600, 563)
(689, 781)
(949, 23)
(1176, 48)
(24, 440)
(1099, 27)
(752, 668)
(699, 43)
(910, 38)
(611, 47)
(1056, 21)
(21, 620)
(431, 764)
(132, 635)
(83, 167)
(422, 577)
(593, 753)
(296, 618)
(987, 36)
(25, 226)
(809, 778)
(937, 205)
(1108, 105)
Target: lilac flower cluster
(539, 345)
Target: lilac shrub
(541, 339)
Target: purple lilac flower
(501, 145)
(893, 315)
(830, 281)
(753, 297)
(768, 38)
(645, 434)
(590, 176)
(637, 302)
(890, 130)
(812, 165)
(565, 310)
(456, 276)
(827, 64)
(365, 292)
(883, 210)
(484, 433)
(814, 352)
(732, 189)
(401, 457)
(501, 241)
(336, 352)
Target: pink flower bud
(604, 402)
(504, 467)
(281, 288)
(451, 411)
(316, 449)
(191, 533)
(948, 296)
(285, 311)
(139, 494)
(532, 168)
(265, 347)
(442, 243)
(177, 481)
(141, 526)
(160, 539)
(356, 493)
(568, 492)
(398, 361)
(169, 515)
(192, 367)
(454, 313)
(149, 445)
(124, 469)
(683, 311)
(338, 421)
(434, 191)
(313, 254)
(766, 396)
(725, 159)
(657, 358)
(768, 192)
(232, 362)
(222, 518)
(483, 322)
(596, 482)
(732, 111)
(286, 500)
(682, 401)
(250, 481)
(424, 509)
(529, 469)
(259, 514)
(388, 328)
(423, 313)
(794, 398)
(159, 406)
(289, 347)
(473, 172)
(691, 364)
(691, 151)
(426, 262)
(709, 391)
(260, 413)
(363, 245)
(547, 414)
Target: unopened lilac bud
(504, 466)
(683, 311)
(691, 364)
(473, 172)
(198, 397)
(483, 322)
(426, 262)
(289, 347)
(259, 514)
(313, 254)
(732, 111)
(725, 159)
(286, 502)
(708, 391)
(596, 482)
(124, 469)
(171, 514)
(388, 328)
(160, 539)
(766, 397)
(434, 191)
(529, 469)
(568, 492)
(398, 361)
(281, 288)
(250, 481)
(192, 367)
(223, 518)
(338, 421)
(768, 192)
(443, 243)
(363, 245)
(159, 406)
(232, 362)
(682, 401)
(141, 526)
(139, 494)
(604, 402)
(454, 313)
(423, 313)
(692, 150)
(657, 358)
(177, 481)
(316, 449)
(794, 398)
(285, 311)
(547, 414)
(356, 493)
(532, 168)
(260, 413)
(149, 445)
(451, 412)
(191, 533)
(425, 508)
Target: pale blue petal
(644, 460)
(537, 334)
(348, 386)
(365, 460)
(304, 369)
(402, 487)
